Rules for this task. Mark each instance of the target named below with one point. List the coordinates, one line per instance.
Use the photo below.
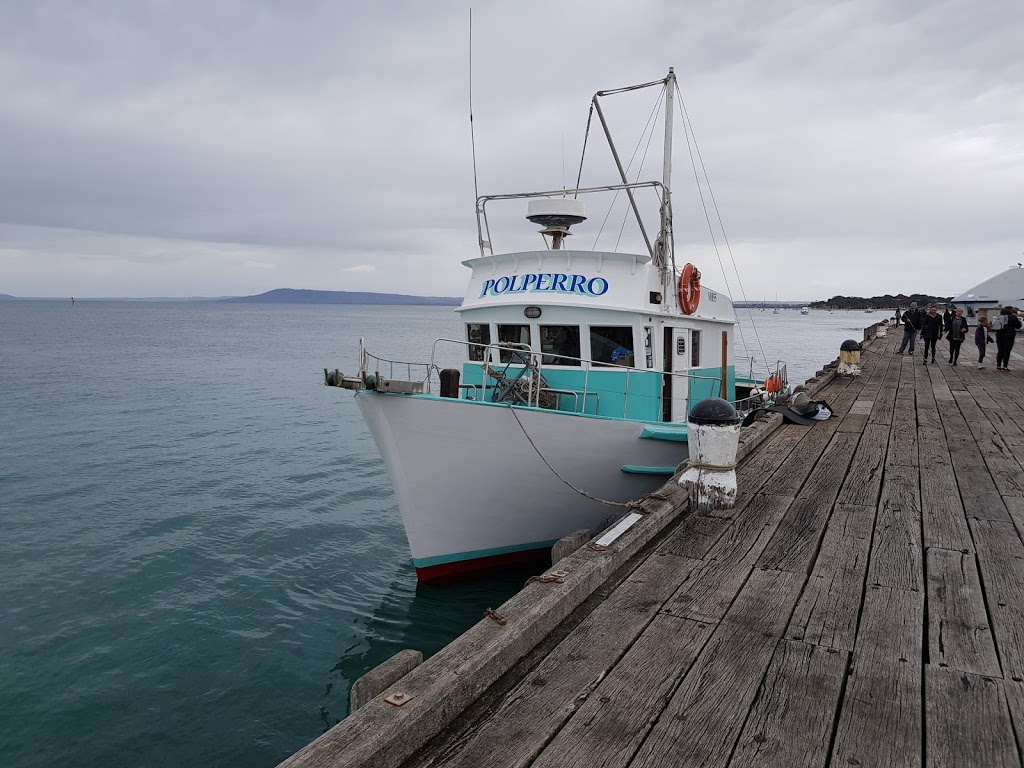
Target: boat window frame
(630, 362)
(505, 356)
(571, 358)
(476, 354)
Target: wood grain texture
(793, 716)
(616, 717)
(533, 711)
(829, 606)
(944, 519)
(959, 636)
(794, 469)
(968, 721)
(796, 540)
(863, 481)
(702, 721)
(880, 718)
(896, 552)
(708, 590)
(1001, 559)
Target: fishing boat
(578, 369)
(805, 310)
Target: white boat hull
(473, 491)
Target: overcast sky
(221, 148)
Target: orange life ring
(689, 289)
(773, 384)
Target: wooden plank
(959, 635)
(829, 606)
(792, 718)
(968, 721)
(791, 473)
(982, 498)
(896, 553)
(695, 536)
(880, 715)
(705, 715)
(534, 710)
(1001, 560)
(1000, 460)
(853, 422)
(944, 519)
(903, 439)
(885, 400)
(708, 590)
(864, 480)
(1015, 699)
(760, 465)
(796, 540)
(616, 717)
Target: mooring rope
(580, 491)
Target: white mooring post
(714, 438)
(849, 358)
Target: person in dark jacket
(931, 331)
(1006, 325)
(911, 326)
(956, 334)
(947, 318)
(982, 338)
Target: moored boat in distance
(805, 310)
(579, 370)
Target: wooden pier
(862, 605)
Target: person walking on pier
(1006, 324)
(931, 331)
(982, 338)
(947, 318)
(911, 327)
(956, 334)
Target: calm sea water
(199, 546)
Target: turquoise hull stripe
(633, 469)
(657, 433)
(426, 562)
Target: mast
(665, 238)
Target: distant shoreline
(278, 296)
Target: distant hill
(7, 297)
(294, 296)
(880, 302)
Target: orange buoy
(773, 384)
(689, 289)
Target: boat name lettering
(548, 282)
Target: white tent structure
(988, 297)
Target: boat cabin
(604, 339)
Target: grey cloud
(305, 140)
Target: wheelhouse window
(695, 349)
(514, 334)
(611, 345)
(560, 344)
(479, 336)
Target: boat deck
(863, 604)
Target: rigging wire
(651, 120)
(472, 130)
(688, 130)
(583, 152)
(639, 170)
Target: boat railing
(532, 373)
(380, 366)
(756, 370)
